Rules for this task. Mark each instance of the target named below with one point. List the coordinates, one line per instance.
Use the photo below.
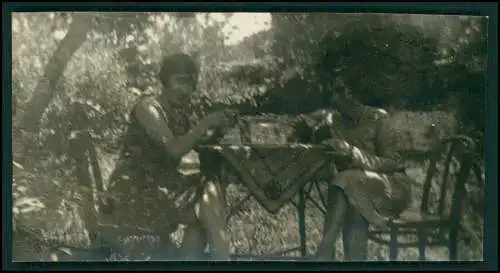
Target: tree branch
(45, 89)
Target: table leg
(333, 172)
(302, 221)
(330, 200)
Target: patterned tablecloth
(273, 173)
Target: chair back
(453, 153)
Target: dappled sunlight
(242, 25)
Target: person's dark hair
(178, 63)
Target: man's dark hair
(178, 63)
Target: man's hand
(221, 119)
(230, 117)
(212, 136)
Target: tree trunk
(45, 89)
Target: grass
(255, 231)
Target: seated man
(372, 186)
(148, 192)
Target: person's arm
(211, 136)
(157, 128)
(362, 159)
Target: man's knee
(212, 197)
(345, 177)
(211, 204)
(211, 192)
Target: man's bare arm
(157, 128)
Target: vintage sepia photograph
(184, 136)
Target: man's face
(183, 85)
